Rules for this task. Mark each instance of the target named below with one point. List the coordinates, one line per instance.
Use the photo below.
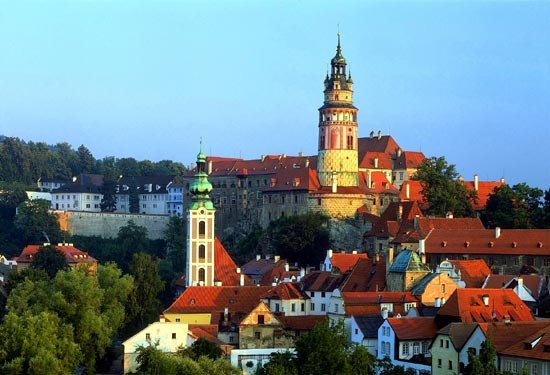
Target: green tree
(283, 363)
(92, 307)
(514, 207)
(442, 189)
(131, 239)
(143, 304)
(108, 202)
(86, 159)
(133, 197)
(37, 344)
(204, 348)
(33, 220)
(545, 215)
(485, 363)
(50, 260)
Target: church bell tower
(337, 160)
(200, 229)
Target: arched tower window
(202, 228)
(322, 142)
(350, 142)
(202, 275)
(202, 251)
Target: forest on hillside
(26, 162)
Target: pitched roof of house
(409, 159)
(214, 299)
(367, 275)
(285, 291)
(468, 305)
(84, 183)
(301, 323)
(384, 143)
(206, 331)
(473, 271)
(533, 283)
(369, 324)
(420, 286)
(279, 273)
(260, 266)
(322, 281)
(426, 224)
(484, 241)
(72, 254)
(384, 160)
(390, 220)
(364, 298)
(225, 269)
(346, 261)
(144, 184)
(521, 339)
(459, 333)
(408, 261)
(421, 328)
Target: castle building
(348, 173)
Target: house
(319, 286)
(342, 261)
(405, 270)
(406, 342)
(507, 249)
(261, 329)
(49, 184)
(434, 289)
(74, 257)
(84, 193)
(151, 191)
(282, 272)
(472, 272)
(364, 331)
(257, 268)
(174, 201)
(368, 275)
(289, 299)
(170, 336)
(530, 288)
(451, 346)
(469, 305)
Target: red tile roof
(368, 162)
(519, 339)
(415, 192)
(422, 328)
(483, 241)
(534, 283)
(389, 222)
(385, 144)
(72, 254)
(286, 291)
(322, 281)
(214, 299)
(473, 272)
(467, 305)
(368, 303)
(409, 159)
(278, 274)
(367, 275)
(225, 268)
(301, 323)
(260, 266)
(345, 261)
(208, 332)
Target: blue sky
(467, 80)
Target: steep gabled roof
(385, 144)
(301, 323)
(346, 261)
(467, 305)
(390, 220)
(409, 159)
(383, 160)
(421, 328)
(426, 224)
(225, 268)
(459, 333)
(367, 275)
(473, 271)
(72, 254)
(84, 183)
(408, 261)
(369, 324)
(521, 339)
(533, 283)
(286, 291)
(322, 281)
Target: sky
(468, 80)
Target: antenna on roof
(46, 236)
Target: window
(387, 348)
(257, 335)
(336, 308)
(534, 369)
(425, 347)
(350, 142)
(511, 366)
(178, 320)
(87, 205)
(441, 343)
(261, 319)
(416, 348)
(312, 306)
(144, 205)
(323, 294)
(231, 339)
(312, 294)
(202, 275)
(147, 336)
(405, 349)
(323, 307)
(293, 307)
(276, 307)
(173, 335)
(450, 365)
(202, 227)
(446, 344)
(439, 362)
(202, 251)
(303, 307)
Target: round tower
(337, 163)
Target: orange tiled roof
(409, 159)
(322, 281)
(362, 298)
(519, 339)
(367, 275)
(207, 331)
(484, 241)
(422, 328)
(367, 161)
(345, 261)
(214, 299)
(279, 273)
(389, 222)
(385, 144)
(285, 291)
(301, 323)
(468, 306)
(72, 254)
(225, 268)
(426, 224)
(534, 283)
(473, 271)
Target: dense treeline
(25, 162)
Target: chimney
(399, 152)
(476, 182)
(437, 302)
(300, 154)
(443, 300)
(276, 258)
(329, 253)
(209, 166)
(307, 163)
(74, 178)
(400, 212)
(354, 252)
(302, 272)
(415, 223)
(407, 191)
(502, 181)
(334, 182)
(372, 133)
(377, 257)
(485, 299)
(267, 256)
(238, 270)
(287, 267)
(520, 282)
(379, 134)
(384, 313)
(258, 256)
(241, 281)
(162, 319)
(390, 255)
(422, 247)
(497, 232)
(375, 162)
(449, 215)
(225, 314)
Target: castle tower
(337, 163)
(200, 229)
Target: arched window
(202, 251)
(202, 275)
(202, 227)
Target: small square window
(173, 335)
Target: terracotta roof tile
(225, 268)
(345, 261)
(409, 159)
(534, 283)
(422, 328)
(285, 291)
(473, 271)
(385, 144)
(519, 339)
(367, 275)
(301, 323)
(322, 281)
(389, 222)
(72, 254)
(384, 160)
